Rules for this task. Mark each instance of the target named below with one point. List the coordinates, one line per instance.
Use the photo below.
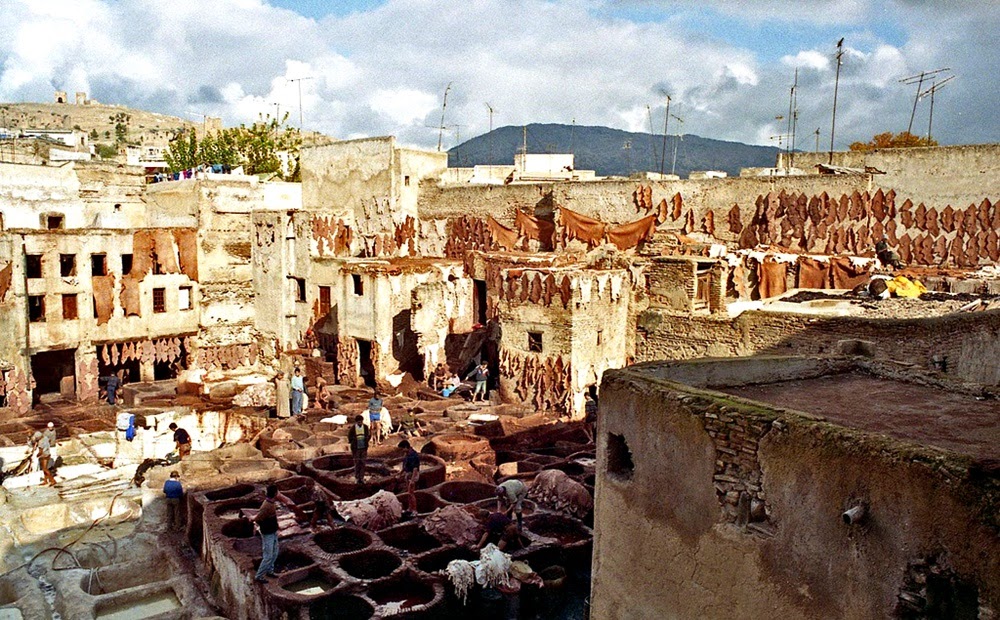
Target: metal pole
(836, 84)
(913, 112)
(663, 151)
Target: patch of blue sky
(318, 9)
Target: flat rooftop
(924, 415)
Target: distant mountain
(604, 150)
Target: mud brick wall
(966, 340)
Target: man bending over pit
(511, 494)
(182, 440)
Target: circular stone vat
(406, 591)
(571, 468)
(457, 446)
(370, 564)
(342, 540)
(292, 560)
(438, 559)
(237, 490)
(231, 509)
(528, 507)
(464, 492)
(341, 607)
(426, 502)
(331, 462)
(565, 530)
(409, 537)
(238, 528)
(313, 583)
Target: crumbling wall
(964, 340)
(438, 310)
(770, 555)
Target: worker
(590, 417)
(298, 391)
(44, 450)
(500, 531)
(358, 437)
(439, 376)
(173, 490)
(111, 386)
(181, 439)
(321, 508)
(512, 493)
(375, 406)
(480, 374)
(267, 524)
(410, 471)
(409, 426)
(50, 434)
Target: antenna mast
(663, 151)
(444, 104)
(918, 79)
(299, 80)
(930, 91)
(793, 114)
(836, 84)
(652, 145)
(677, 138)
(492, 111)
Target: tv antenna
(918, 79)
(677, 138)
(299, 80)
(836, 84)
(663, 151)
(793, 117)
(935, 86)
(817, 139)
(652, 146)
(444, 104)
(492, 112)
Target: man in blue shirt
(375, 405)
(174, 493)
(480, 374)
(411, 474)
(298, 391)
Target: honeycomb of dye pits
(230, 508)
(237, 528)
(464, 492)
(282, 435)
(527, 506)
(290, 456)
(302, 585)
(370, 563)
(343, 539)
(405, 592)
(409, 538)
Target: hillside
(143, 127)
(601, 149)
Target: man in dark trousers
(182, 440)
(411, 474)
(267, 524)
(111, 386)
(174, 492)
(358, 437)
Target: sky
(382, 67)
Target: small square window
(98, 264)
(159, 300)
(126, 264)
(69, 307)
(406, 180)
(36, 308)
(535, 342)
(67, 265)
(54, 222)
(300, 289)
(34, 265)
(184, 298)
(359, 286)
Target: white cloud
(384, 71)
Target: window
(98, 264)
(406, 180)
(300, 289)
(34, 265)
(69, 307)
(36, 308)
(67, 265)
(54, 222)
(184, 298)
(600, 337)
(126, 264)
(324, 300)
(159, 300)
(619, 461)
(535, 342)
(359, 286)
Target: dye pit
(122, 560)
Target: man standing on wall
(375, 416)
(267, 524)
(181, 439)
(411, 474)
(298, 391)
(480, 374)
(358, 437)
(174, 492)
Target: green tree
(121, 121)
(887, 140)
(107, 151)
(255, 147)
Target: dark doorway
(480, 301)
(128, 368)
(365, 359)
(404, 346)
(169, 370)
(49, 368)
